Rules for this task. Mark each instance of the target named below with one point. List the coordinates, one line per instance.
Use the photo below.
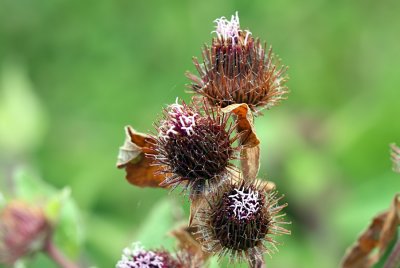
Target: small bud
(237, 69)
(194, 146)
(240, 221)
(23, 230)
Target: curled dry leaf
(132, 156)
(187, 242)
(244, 123)
(373, 242)
(250, 154)
(196, 204)
(395, 157)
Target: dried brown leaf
(377, 236)
(139, 168)
(196, 204)
(390, 225)
(188, 242)
(250, 160)
(250, 154)
(244, 118)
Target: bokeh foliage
(88, 68)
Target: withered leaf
(395, 157)
(244, 123)
(196, 204)
(250, 160)
(139, 168)
(187, 242)
(250, 154)
(373, 242)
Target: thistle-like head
(241, 221)
(238, 69)
(194, 146)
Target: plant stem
(57, 256)
(393, 260)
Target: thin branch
(57, 256)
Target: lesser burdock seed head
(137, 257)
(23, 230)
(194, 146)
(240, 221)
(237, 69)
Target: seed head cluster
(238, 69)
(240, 220)
(194, 146)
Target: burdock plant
(195, 145)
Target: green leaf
(54, 205)
(154, 230)
(69, 231)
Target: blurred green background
(74, 73)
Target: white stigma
(180, 119)
(226, 29)
(139, 258)
(244, 204)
